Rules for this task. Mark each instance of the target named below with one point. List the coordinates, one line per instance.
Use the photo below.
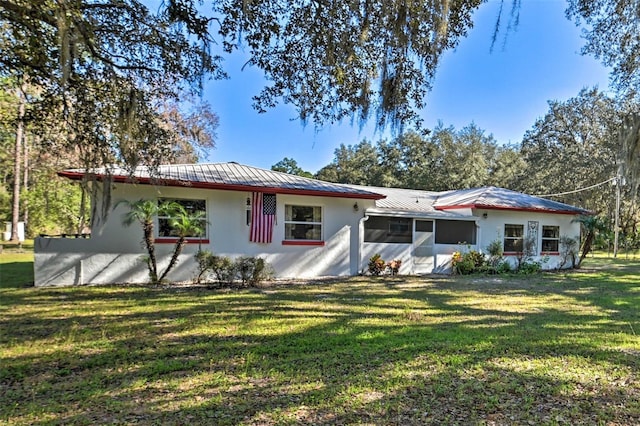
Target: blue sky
(503, 91)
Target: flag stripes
(263, 217)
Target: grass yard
(549, 349)
(16, 265)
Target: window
(191, 207)
(455, 232)
(424, 225)
(513, 238)
(393, 230)
(550, 238)
(302, 222)
(399, 227)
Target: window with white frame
(513, 238)
(192, 207)
(550, 238)
(302, 222)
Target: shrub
(467, 263)
(224, 269)
(376, 264)
(465, 266)
(503, 267)
(456, 258)
(475, 257)
(204, 259)
(394, 266)
(527, 268)
(568, 251)
(526, 253)
(252, 270)
(495, 251)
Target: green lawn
(548, 349)
(16, 265)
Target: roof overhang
(418, 214)
(516, 209)
(75, 175)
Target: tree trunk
(151, 249)
(174, 258)
(15, 213)
(83, 204)
(25, 184)
(586, 247)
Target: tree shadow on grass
(381, 353)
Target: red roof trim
(518, 209)
(226, 187)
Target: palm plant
(184, 225)
(143, 212)
(591, 225)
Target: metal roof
(226, 176)
(238, 177)
(494, 198)
(407, 202)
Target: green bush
(465, 266)
(224, 269)
(495, 251)
(527, 268)
(475, 257)
(468, 263)
(252, 270)
(503, 267)
(249, 270)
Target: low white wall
(64, 262)
(74, 262)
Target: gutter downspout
(361, 240)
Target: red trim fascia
(518, 209)
(175, 240)
(225, 186)
(302, 243)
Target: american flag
(263, 217)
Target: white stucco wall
(114, 253)
(489, 229)
(492, 228)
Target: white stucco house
(302, 227)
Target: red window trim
(542, 253)
(175, 240)
(302, 243)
